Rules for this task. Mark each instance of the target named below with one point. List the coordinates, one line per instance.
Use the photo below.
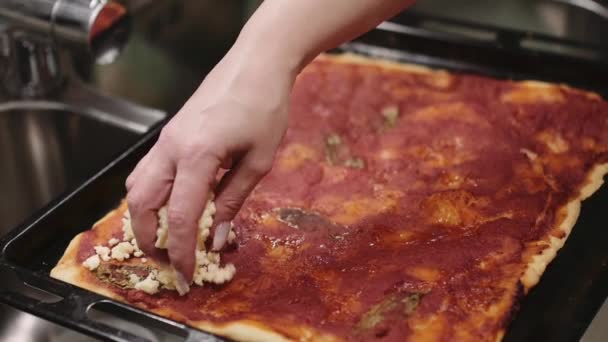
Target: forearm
(290, 33)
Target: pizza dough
(404, 203)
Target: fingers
(227, 164)
(140, 165)
(232, 192)
(187, 201)
(220, 236)
(146, 196)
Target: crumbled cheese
(213, 273)
(103, 252)
(122, 251)
(231, 237)
(134, 279)
(136, 251)
(162, 233)
(531, 155)
(209, 270)
(92, 262)
(149, 285)
(204, 224)
(204, 258)
(207, 263)
(170, 279)
(207, 267)
(165, 276)
(127, 229)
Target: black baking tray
(559, 308)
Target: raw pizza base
(537, 254)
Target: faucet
(33, 31)
(35, 36)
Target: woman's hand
(235, 120)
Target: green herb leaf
(338, 153)
(118, 275)
(355, 163)
(400, 305)
(332, 143)
(391, 115)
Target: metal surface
(589, 5)
(31, 65)
(36, 14)
(99, 24)
(598, 330)
(34, 30)
(52, 147)
(579, 20)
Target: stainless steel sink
(45, 151)
(47, 148)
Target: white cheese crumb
(127, 229)
(122, 251)
(204, 258)
(134, 279)
(165, 276)
(113, 242)
(204, 224)
(136, 251)
(162, 233)
(149, 285)
(103, 252)
(531, 155)
(213, 273)
(231, 237)
(172, 280)
(92, 262)
(144, 260)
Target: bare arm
(236, 119)
(294, 32)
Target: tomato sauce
(441, 209)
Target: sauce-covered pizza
(404, 204)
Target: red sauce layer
(395, 219)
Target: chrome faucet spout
(102, 25)
(36, 28)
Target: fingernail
(221, 235)
(181, 285)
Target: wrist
(252, 66)
(267, 50)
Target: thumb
(232, 191)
